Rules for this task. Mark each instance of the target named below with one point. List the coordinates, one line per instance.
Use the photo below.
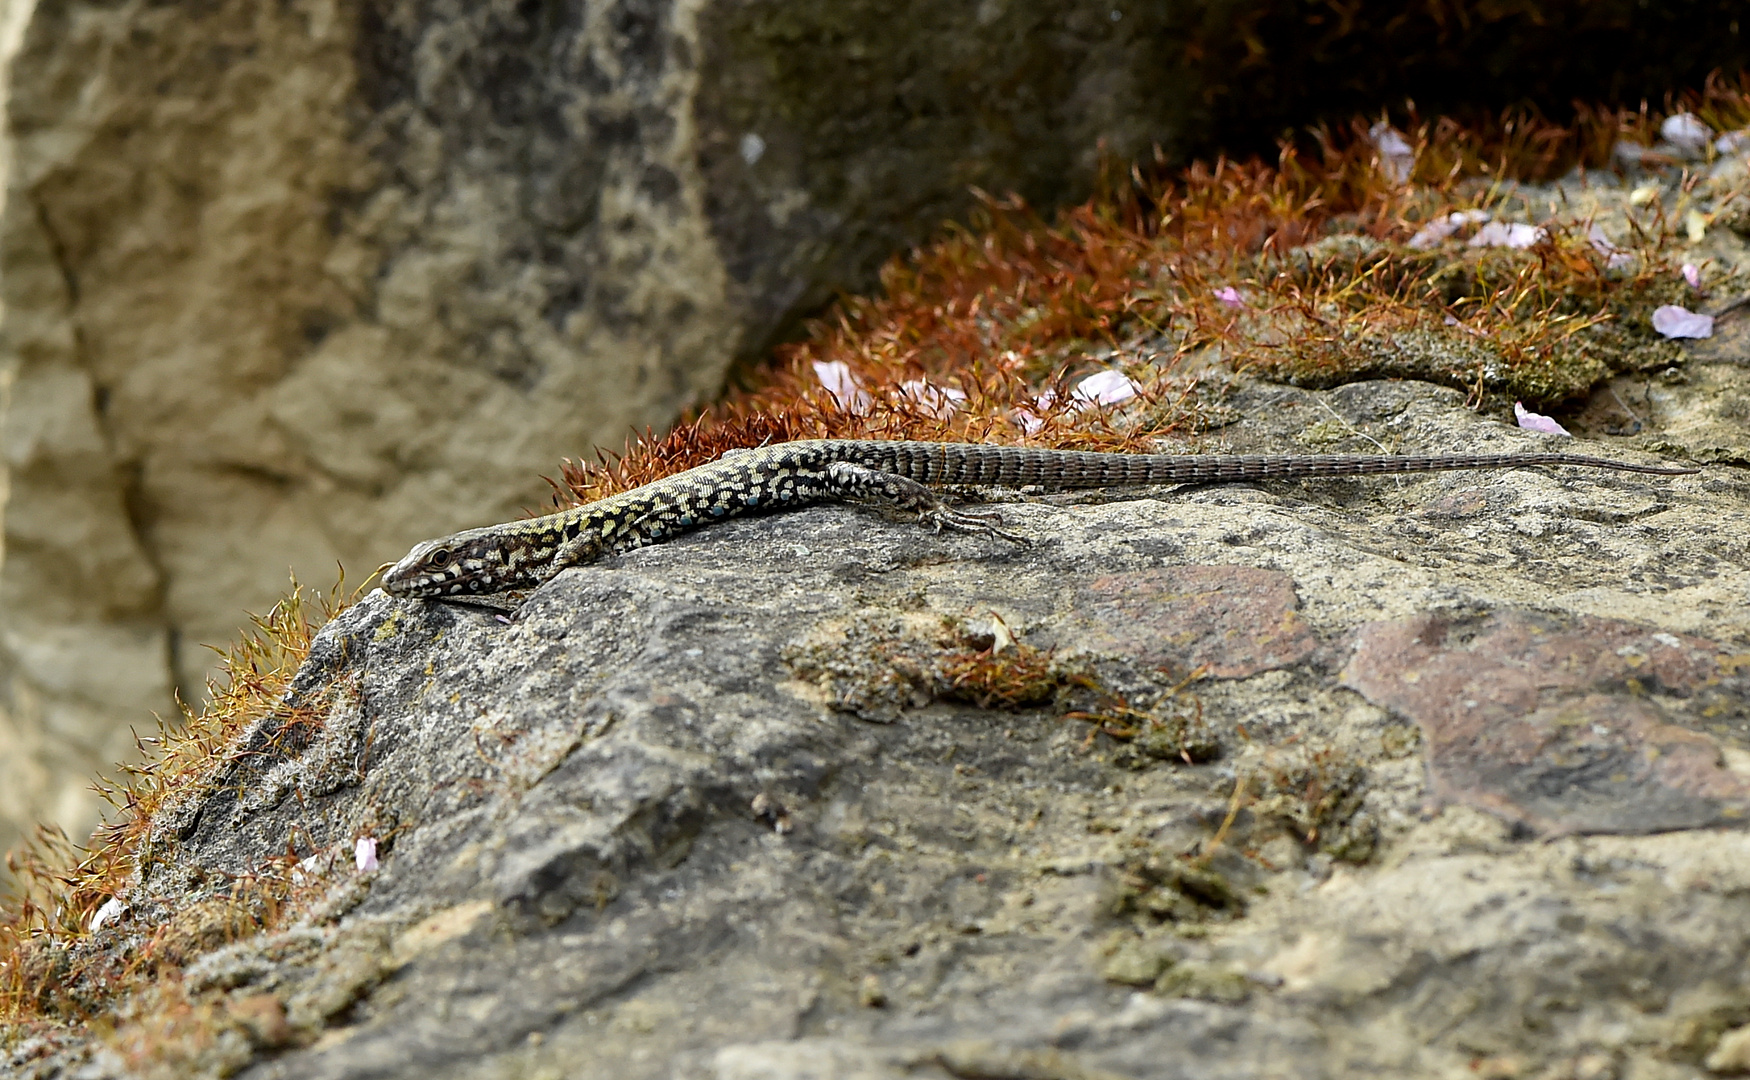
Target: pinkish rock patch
(1564, 725)
(1231, 621)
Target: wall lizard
(524, 554)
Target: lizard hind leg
(858, 483)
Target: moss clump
(1317, 797)
(1164, 888)
(82, 935)
(1542, 324)
(1171, 728)
(878, 664)
(1205, 982)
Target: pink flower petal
(1397, 158)
(937, 401)
(1105, 388)
(364, 854)
(1686, 131)
(1614, 257)
(1507, 234)
(1692, 274)
(1536, 421)
(836, 379)
(1678, 322)
(1230, 296)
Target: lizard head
(464, 564)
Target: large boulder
(1460, 790)
(293, 284)
(288, 285)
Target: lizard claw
(942, 517)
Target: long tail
(1009, 466)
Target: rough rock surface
(294, 284)
(1467, 799)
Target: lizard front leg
(858, 483)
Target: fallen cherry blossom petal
(364, 854)
(1106, 388)
(1433, 233)
(1733, 141)
(836, 379)
(1679, 322)
(1687, 132)
(1514, 234)
(938, 401)
(313, 866)
(1230, 296)
(1629, 154)
(1692, 274)
(1032, 421)
(112, 909)
(1442, 227)
(1397, 158)
(1536, 421)
(1614, 257)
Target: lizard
(521, 555)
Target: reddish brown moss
(53, 969)
(1010, 306)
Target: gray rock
(627, 833)
(293, 285)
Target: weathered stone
(617, 837)
(299, 284)
(1226, 621)
(1587, 725)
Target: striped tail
(1010, 466)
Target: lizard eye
(440, 558)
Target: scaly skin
(524, 554)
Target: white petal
(1507, 234)
(364, 854)
(1105, 388)
(112, 909)
(1629, 154)
(1432, 233)
(836, 378)
(938, 401)
(1678, 322)
(1614, 257)
(1686, 131)
(1536, 421)
(1397, 158)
